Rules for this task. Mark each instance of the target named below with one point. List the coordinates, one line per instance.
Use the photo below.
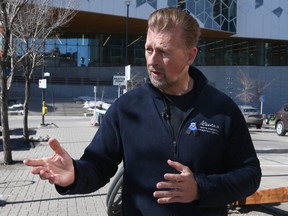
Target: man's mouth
(155, 73)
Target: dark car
(252, 116)
(281, 120)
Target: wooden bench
(265, 196)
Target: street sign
(43, 83)
(119, 80)
(46, 74)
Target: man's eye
(149, 50)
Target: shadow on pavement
(56, 198)
(17, 140)
(272, 151)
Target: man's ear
(191, 55)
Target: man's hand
(180, 187)
(57, 169)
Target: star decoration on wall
(152, 3)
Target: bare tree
(8, 13)
(251, 89)
(246, 93)
(27, 24)
(260, 87)
(34, 24)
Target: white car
(252, 115)
(16, 109)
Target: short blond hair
(169, 18)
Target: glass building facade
(91, 54)
(107, 51)
(99, 50)
(229, 52)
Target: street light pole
(127, 2)
(44, 107)
(43, 91)
(43, 85)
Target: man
(185, 145)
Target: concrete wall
(255, 18)
(274, 78)
(262, 19)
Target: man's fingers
(176, 165)
(55, 145)
(166, 194)
(173, 178)
(177, 187)
(34, 162)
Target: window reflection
(241, 52)
(94, 52)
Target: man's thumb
(55, 145)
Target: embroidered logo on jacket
(193, 128)
(207, 127)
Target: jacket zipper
(174, 143)
(174, 153)
(174, 146)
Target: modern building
(244, 43)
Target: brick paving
(26, 195)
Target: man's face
(168, 60)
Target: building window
(69, 52)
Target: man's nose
(153, 59)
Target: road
(267, 140)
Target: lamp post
(43, 86)
(127, 2)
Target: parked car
(252, 116)
(16, 109)
(82, 99)
(281, 120)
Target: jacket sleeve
(242, 173)
(100, 159)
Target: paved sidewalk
(27, 195)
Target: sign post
(127, 75)
(43, 86)
(119, 81)
(262, 100)
(95, 97)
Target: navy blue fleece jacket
(221, 154)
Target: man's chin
(158, 84)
